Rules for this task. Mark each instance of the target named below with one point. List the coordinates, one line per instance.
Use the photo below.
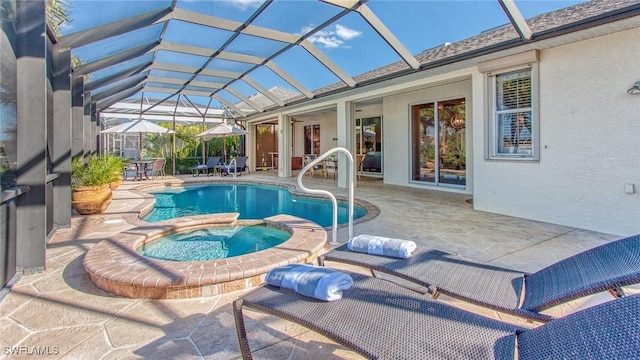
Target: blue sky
(350, 42)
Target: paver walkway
(61, 314)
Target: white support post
(345, 132)
(284, 146)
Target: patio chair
(359, 160)
(240, 166)
(129, 171)
(381, 320)
(321, 166)
(604, 268)
(208, 168)
(156, 168)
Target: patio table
(141, 170)
(220, 169)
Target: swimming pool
(216, 242)
(252, 201)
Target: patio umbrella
(140, 127)
(222, 131)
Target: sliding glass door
(266, 145)
(369, 143)
(439, 125)
(312, 139)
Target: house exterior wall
(589, 138)
(328, 132)
(369, 111)
(589, 142)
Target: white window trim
(491, 148)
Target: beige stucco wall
(589, 140)
(328, 132)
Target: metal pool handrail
(235, 170)
(334, 233)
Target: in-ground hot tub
(216, 242)
(114, 265)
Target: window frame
(494, 137)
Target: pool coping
(149, 200)
(115, 266)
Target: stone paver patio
(61, 314)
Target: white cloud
(335, 36)
(305, 29)
(345, 33)
(246, 4)
(327, 41)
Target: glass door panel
(424, 142)
(444, 130)
(312, 139)
(369, 143)
(116, 146)
(266, 146)
(359, 145)
(451, 129)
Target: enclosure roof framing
(518, 22)
(247, 60)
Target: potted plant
(117, 165)
(90, 184)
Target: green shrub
(95, 171)
(117, 163)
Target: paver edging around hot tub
(115, 266)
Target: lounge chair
(605, 268)
(208, 168)
(372, 161)
(381, 320)
(240, 166)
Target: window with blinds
(513, 130)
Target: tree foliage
(57, 12)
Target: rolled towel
(314, 281)
(378, 245)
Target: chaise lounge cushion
(606, 267)
(372, 161)
(381, 320)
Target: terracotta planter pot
(114, 185)
(91, 199)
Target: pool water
(251, 201)
(212, 243)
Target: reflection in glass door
(266, 145)
(312, 139)
(369, 143)
(439, 125)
